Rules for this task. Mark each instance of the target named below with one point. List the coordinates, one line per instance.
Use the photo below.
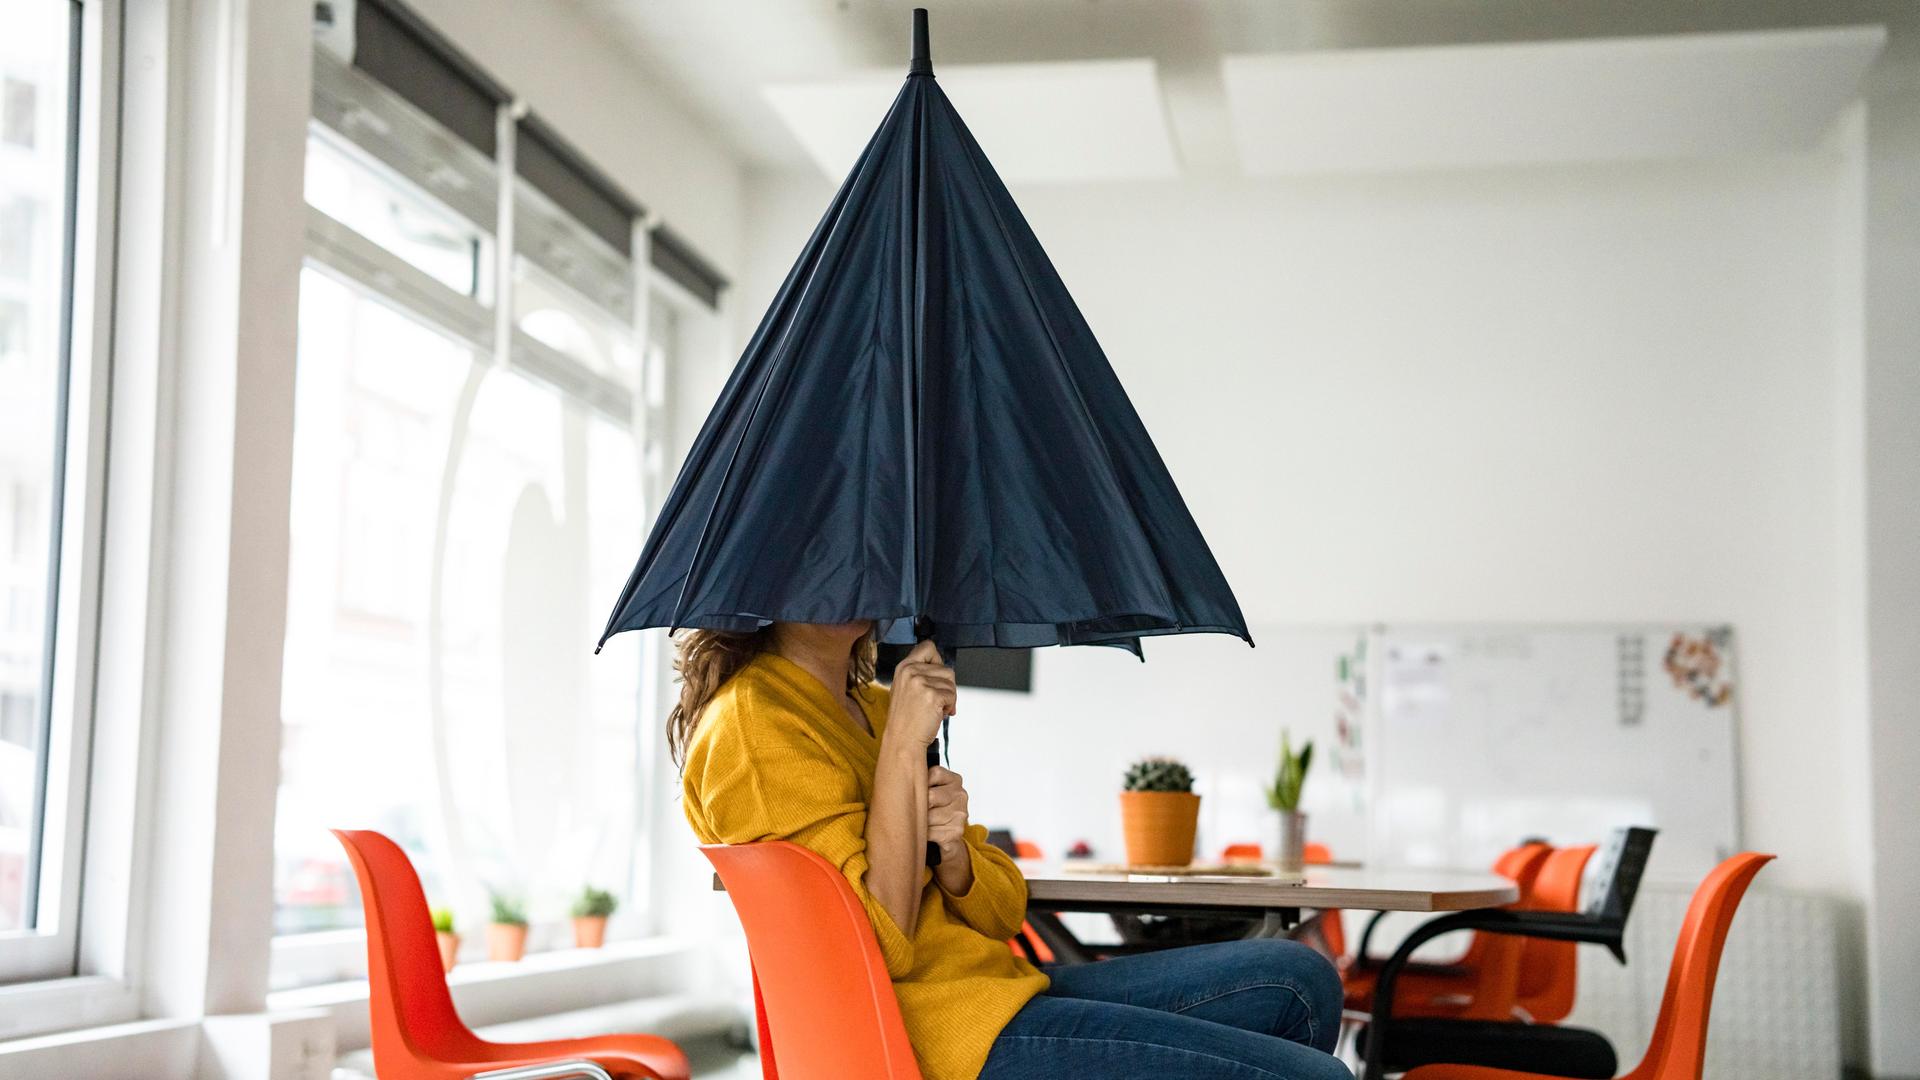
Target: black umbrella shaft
(923, 626)
(933, 758)
(922, 61)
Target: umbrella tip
(922, 62)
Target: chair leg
(554, 1070)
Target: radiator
(1776, 1007)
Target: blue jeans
(1240, 1010)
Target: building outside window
(37, 70)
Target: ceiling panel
(1383, 110)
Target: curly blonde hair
(705, 660)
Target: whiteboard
(1478, 736)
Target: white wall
(1608, 392)
(1599, 393)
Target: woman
(782, 735)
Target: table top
(1325, 887)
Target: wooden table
(1052, 890)
(1049, 888)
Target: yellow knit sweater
(776, 758)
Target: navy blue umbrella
(924, 432)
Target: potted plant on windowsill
(507, 933)
(448, 939)
(1158, 812)
(590, 912)
(1284, 798)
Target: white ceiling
(1387, 110)
(1066, 90)
(1085, 120)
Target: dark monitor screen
(988, 669)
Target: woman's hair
(706, 659)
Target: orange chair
(1490, 960)
(417, 1035)
(1517, 978)
(1326, 924)
(826, 1007)
(1678, 1049)
(1549, 970)
(1029, 942)
(1240, 853)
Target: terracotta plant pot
(506, 941)
(589, 931)
(449, 948)
(1159, 826)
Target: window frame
(51, 949)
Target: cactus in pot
(1158, 812)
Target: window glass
(349, 187)
(559, 318)
(458, 532)
(36, 54)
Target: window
(462, 517)
(38, 68)
(346, 186)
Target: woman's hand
(947, 827)
(924, 693)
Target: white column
(1892, 393)
(236, 115)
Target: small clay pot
(506, 941)
(449, 948)
(589, 931)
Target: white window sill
(73, 1003)
(165, 1048)
(563, 980)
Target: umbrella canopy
(924, 432)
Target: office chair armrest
(1551, 925)
(551, 1070)
(1366, 937)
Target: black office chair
(1389, 1045)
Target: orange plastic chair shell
(1678, 1049)
(1333, 932)
(826, 1007)
(1549, 970)
(1240, 853)
(417, 1035)
(1027, 849)
(1490, 960)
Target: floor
(717, 1058)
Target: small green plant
(1159, 774)
(1291, 776)
(443, 920)
(594, 903)
(508, 910)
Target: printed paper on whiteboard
(1415, 686)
